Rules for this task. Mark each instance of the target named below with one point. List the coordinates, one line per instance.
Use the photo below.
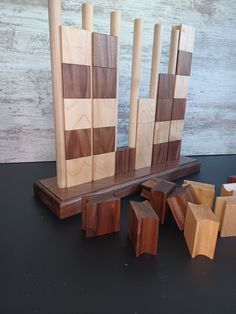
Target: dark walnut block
(147, 186)
(231, 179)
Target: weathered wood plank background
(26, 111)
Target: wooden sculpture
(228, 189)
(231, 179)
(143, 228)
(225, 211)
(201, 230)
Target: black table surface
(47, 265)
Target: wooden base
(66, 202)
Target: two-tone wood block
(147, 186)
(143, 228)
(228, 189)
(125, 160)
(100, 216)
(225, 211)
(201, 230)
(231, 179)
(178, 201)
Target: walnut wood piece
(147, 186)
(104, 82)
(201, 230)
(78, 171)
(76, 81)
(178, 109)
(104, 50)
(225, 211)
(78, 143)
(178, 201)
(143, 228)
(166, 86)
(231, 179)
(100, 216)
(184, 63)
(125, 160)
(204, 192)
(228, 189)
(103, 140)
(164, 110)
(66, 202)
(158, 199)
(174, 150)
(159, 153)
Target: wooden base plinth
(66, 202)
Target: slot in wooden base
(66, 202)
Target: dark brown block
(104, 82)
(103, 140)
(125, 160)
(163, 110)
(178, 201)
(78, 143)
(178, 109)
(174, 150)
(104, 50)
(166, 86)
(231, 179)
(143, 228)
(76, 81)
(184, 62)
(100, 216)
(158, 200)
(159, 153)
(147, 186)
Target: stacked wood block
(225, 211)
(143, 228)
(201, 230)
(228, 189)
(147, 186)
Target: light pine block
(161, 132)
(78, 114)
(78, 171)
(143, 156)
(76, 45)
(146, 110)
(103, 165)
(176, 130)
(204, 192)
(104, 112)
(228, 189)
(144, 134)
(225, 211)
(187, 37)
(181, 86)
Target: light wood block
(146, 110)
(161, 132)
(201, 230)
(78, 171)
(103, 165)
(187, 37)
(228, 189)
(143, 156)
(181, 86)
(225, 211)
(176, 130)
(104, 112)
(144, 134)
(204, 192)
(76, 45)
(78, 114)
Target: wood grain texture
(76, 81)
(231, 179)
(104, 82)
(176, 130)
(143, 156)
(166, 86)
(78, 143)
(143, 228)
(184, 62)
(104, 112)
(147, 186)
(161, 132)
(159, 153)
(178, 109)
(187, 37)
(78, 114)
(228, 189)
(103, 140)
(125, 160)
(164, 110)
(181, 86)
(146, 110)
(103, 165)
(78, 171)
(104, 50)
(225, 211)
(174, 149)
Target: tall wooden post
(174, 42)
(87, 16)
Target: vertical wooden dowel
(174, 43)
(156, 56)
(87, 16)
(54, 14)
(135, 74)
(115, 31)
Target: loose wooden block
(146, 110)
(104, 82)
(76, 45)
(161, 132)
(78, 171)
(184, 62)
(76, 81)
(166, 85)
(159, 153)
(225, 211)
(103, 140)
(201, 230)
(204, 192)
(104, 50)
(125, 160)
(147, 186)
(228, 189)
(231, 179)
(176, 130)
(78, 114)
(104, 112)
(100, 216)
(78, 143)
(178, 109)
(164, 110)
(103, 165)
(187, 36)
(158, 199)
(143, 228)
(143, 156)
(174, 150)
(181, 86)
(178, 201)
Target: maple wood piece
(100, 216)
(178, 201)
(187, 36)
(125, 160)
(204, 192)
(184, 63)
(161, 132)
(158, 199)
(103, 140)
(181, 86)
(104, 82)
(143, 228)
(78, 143)
(104, 50)
(78, 114)
(159, 153)
(176, 130)
(201, 230)
(174, 150)
(166, 86)
(78, 171)
(231, 179)
(228, 189)
(104, 112)
(87, 16)
(147, 186)
(104, 165)
(163, 110)
(178, 109)
(225, 211)
(174, 41)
